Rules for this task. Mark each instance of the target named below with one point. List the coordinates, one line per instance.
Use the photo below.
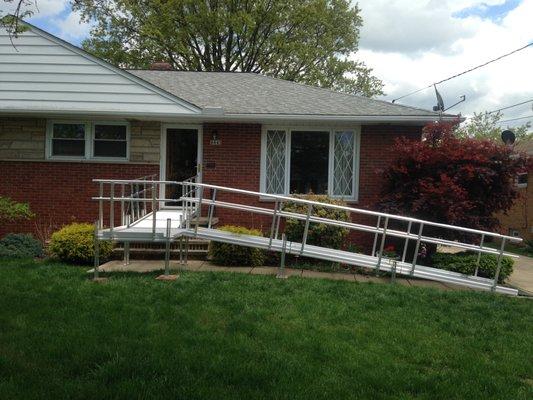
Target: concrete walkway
(522, 276)
(143, 266)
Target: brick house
(67, 117)
(518, 221)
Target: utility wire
(515, 119)
(465, 72)
(505, 108)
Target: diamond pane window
(275, 162)
(343, 163)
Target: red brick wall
(59, 192)
(236, 163)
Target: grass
(221, 336)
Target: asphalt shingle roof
(248, 93)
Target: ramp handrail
(193, 198)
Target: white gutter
(210, 117)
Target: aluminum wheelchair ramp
(145, 218)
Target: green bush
(465, 263)
(231, 254)
(74, 243)
(318, 234)
(20, 245)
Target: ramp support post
(393, 270)
(211, 209)
(126, 253)
(273, 227)
(167, 248)
(406, 243)
(199, 210)
(374, 246)
(96, 250)
(382, 244)
(499, 267)
(479, 254)
(280, 206)
(417, 247)
(281, 271)
(154, 209)
(306, 228)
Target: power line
(505, 108)
(465, 72)
(515, 119)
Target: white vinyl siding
(342, 154)
(41, 73)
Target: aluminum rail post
(281, 271)
(211, 209)
(499, 267)
(122, 214)
(154, 211)
(101, 205)
(417, 247)
(280, 205)
(111, 207)
(273, 227)
(479, 254)
(144, 202)
(126, 253)
(199, 210)
(406, 243)
(167, 247)
(96, 250)
(393, 271)
(374, 246)
(382, 244)
(306, 227)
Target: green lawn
(220, 335)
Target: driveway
(522, 276)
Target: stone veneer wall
(25, 138)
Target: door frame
(163, 151)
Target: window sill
(264, 199)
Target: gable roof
(42, 73)
(250, 93)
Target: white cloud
(411, 44)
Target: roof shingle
(249, 93)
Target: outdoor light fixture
(215, 141)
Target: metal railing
(381, 230)
(196, 195)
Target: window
(83, 140)
(68, 140)
(521, 179)
(110, 141)
(309, 162)
(319, 161)
(514, 232)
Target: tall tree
(308, 41)
(486, 125)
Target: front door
(182, 158)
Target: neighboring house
(67, 117)
(518, 221)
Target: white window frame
(331, 130)
(89, 140)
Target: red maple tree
(457, 181)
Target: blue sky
(412, 43)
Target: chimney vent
(161, 66)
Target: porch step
(204, 221)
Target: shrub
(20, 245)
(465, 263)
(231, 254)
(318, 234)
(74, 243)
(11, 210)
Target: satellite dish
(508, 137)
